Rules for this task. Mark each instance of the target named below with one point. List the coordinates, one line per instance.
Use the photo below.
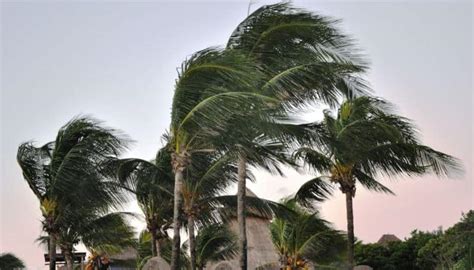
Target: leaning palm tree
(67, 172)
(363, 142)
(9, 261)
(305, 238)
(214, 87)
(230, 99)
(303, 58)
(152, 184)
(214, 243)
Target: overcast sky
(117, 62)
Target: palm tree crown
(68, 175)
(363, 142)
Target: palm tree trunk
(69, 259)
(242, 175)
(52, 252)
(283, 261)
(179, 177)
(154, 250)
(192, 241)
(350, 230)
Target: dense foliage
(305, 239)
(9, 261)
(449, 249)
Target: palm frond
(315, 190)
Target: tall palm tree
(304, 58)
(305, 238)
(67, 172)
(363, 142)
(214, 243)
(208, 94)
(223, 98)
(152, 184)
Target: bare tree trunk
(69, 259)
(179, 177)
(350, 230)
(154, 250)
(52, 251)
(158, 246)
(242, 241)
(283, 261)
(192, 241)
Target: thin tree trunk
(179, 177)
(52, 252)
(154, 250)
(283, 261)
(242, 175)
(192, 241)
(350, 230)
(158, 247)
(69, 259)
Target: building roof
(387, 238)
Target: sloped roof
(250, 193)
(387, 238)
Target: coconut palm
(10, 261)
(304, 58)
(216, 105)
(214, 243)
(305, 238)
(203, 203)
(214, 87)
(67, 174)
(152, 184)
(103, 233)
(206, 177)
(363, 142)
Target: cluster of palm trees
(234, 109)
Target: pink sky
(117, 62)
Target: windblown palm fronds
(363, 142)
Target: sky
(117, 61)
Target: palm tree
(203, 203)
(206, 177)
(68, 172)
(214, 243)
(10, 261)
(305, 238)
(152, 184)
(104, 233)
(364, 141)
(214, 87)
(304, 58)
(223, 98)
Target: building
(387, 238)
(261, 253)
